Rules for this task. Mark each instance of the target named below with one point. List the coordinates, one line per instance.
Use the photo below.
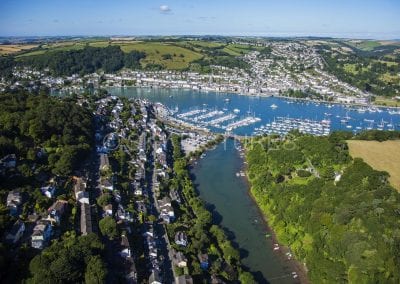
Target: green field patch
(367, 45)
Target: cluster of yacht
(283, 125)
(222, 119)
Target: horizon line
(205, 35)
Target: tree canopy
(344, 230)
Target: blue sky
(338, 18)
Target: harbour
(246, 115)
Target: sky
(376, 19)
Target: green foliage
(61, 128)
(108, 227)
(364, 72)
(86, 60)
(104, 199)
(96, 271)
(69, 261)
(344, 232)
(378, 135)
(246, 278)
(204, 236)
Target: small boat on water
(274, 106)
(236, 110)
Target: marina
(210, 110)
(283, 125)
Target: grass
(386, 102)
(366, 45)
(388, 78)
(181, 56)
(382, 156)
(351, 68)
(6, 49)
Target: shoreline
(259, 95)
(294, 264)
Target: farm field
(181, 57)
(6, 49)
(383, 156)
(366, 45)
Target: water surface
(186, 100)
(218, 185)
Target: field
(6, 49)
(366, 45)
(386, 102)
(175, 55)
(383, 156)
(181, 57)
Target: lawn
(382, 156)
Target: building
(203, 258)
(106, 184)
(155, 277)
(9, 161)
(41, 234)
(179, 259)
(166, 211)
(104, 162)
(108, 210)
(181, 239)
(16, 232)
(48, 191)
(125, 247)
(183, 279)
(14, 200)
(79, 187)
(56, 211)
(86, 219)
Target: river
(215, 175)
(227, 194)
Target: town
(278, 67)
(130, 192)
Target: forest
(337, 215)
(52, 133)
(73, 259)
(85, 61)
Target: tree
(104, 199)
(108, 227)
(66, 260)
(246, 278)
(96, 271)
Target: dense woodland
(86, 60)
(46, 131)
(73, 259)
(83, 61)
(344, 230)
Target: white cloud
(165, 9)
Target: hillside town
(123, 184)
(286, 65)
